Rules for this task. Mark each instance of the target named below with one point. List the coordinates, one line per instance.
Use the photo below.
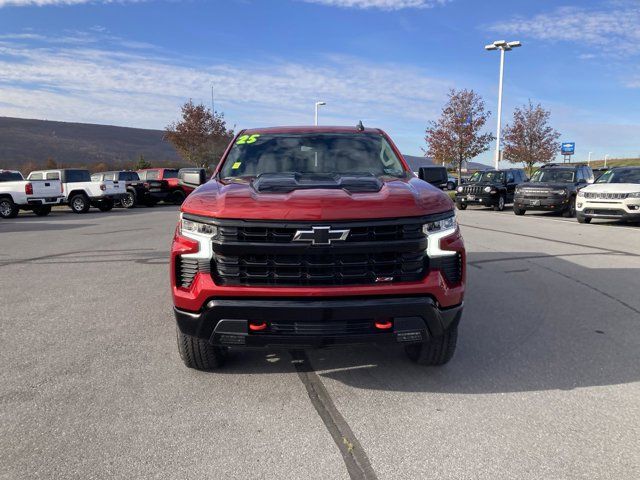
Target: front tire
(519, 211)
(570, 211)
(199, 354)
(461, 206)
(178, 197)
(436, 351)
(42, 210)
(79, 203)
(499, 207)
(583, 219)
(8, 209)
(128, 200)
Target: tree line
(458, 135)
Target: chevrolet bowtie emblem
(320, 236)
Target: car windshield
(490, 176)
(170, 173)
(553, 176)
(626, 175)
(332, 153)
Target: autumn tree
(50, 164)
(141, 164)
(529, 139)
(456, 137)
(200, 136)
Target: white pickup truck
(80, 192)
(17, 194)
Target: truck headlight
(560, 192)
(448, 223)
(580, 193)
(459, 189)
(634, 195)
(487, 189)
(204, 229)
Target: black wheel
(451, 186)
(105, 205)
(199, 354)
(583, 219)
(436, 351)
(518, 211)
(461, 206)
(79, 203)
(500, 205)
(129, 200)
(570, 211)
(178, 197)
(8, 209)
(42, 210)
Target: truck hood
(612, 188)
(409, 197)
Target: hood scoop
(288, 182)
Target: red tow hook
(257, 327)
(384, 324)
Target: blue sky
(387, 62)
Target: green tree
(200, 136)
(141, 163)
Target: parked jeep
(146, 193)
(491, 188)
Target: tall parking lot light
(318, 104)
(606, 157)
(503, 46)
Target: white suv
(615, 195)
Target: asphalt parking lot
(545, 382)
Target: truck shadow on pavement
(532, 322)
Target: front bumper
(488, 200)
(549, 204)
(309, 323)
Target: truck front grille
(606, 196)
(313, 269)
(326, 328)
(473, 189)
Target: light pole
(606, 157)
(589, 161)
(503, 46)
(318, 104)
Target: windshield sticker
(247, 139)
(236, 165)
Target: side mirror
(191, 177)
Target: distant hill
(31, 142)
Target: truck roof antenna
(360, 126)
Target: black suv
(491, 188)
(553, 188)
(147, 192)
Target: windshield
(553, 176)
(626, 175)
(253, 155)
(490, 176)
(169, 173)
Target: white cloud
(611, 30)
(143, 89)
(44, 3)
(380, 4)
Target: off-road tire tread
(437, 351)
(199, 354)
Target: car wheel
(583, 219)
(199, 354)
(436, 351)
(570, 211)
(451, 186)
(461, 206)
(500, 205)
(519, 211)
(42, 210)
(178, 197)
(105, 205)
(8, 209)
(128, 200)
(79, 203)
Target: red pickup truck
(311, 237)
(177, 191)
